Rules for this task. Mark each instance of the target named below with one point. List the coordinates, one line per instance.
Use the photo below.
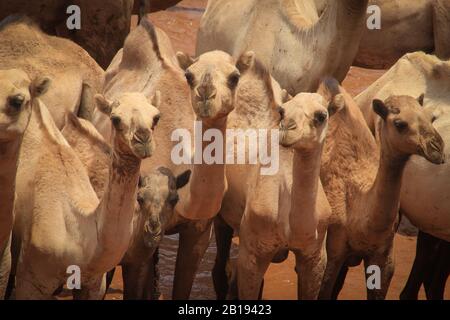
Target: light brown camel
(156, 200)
(60, 221)
(17, 96)
(147, 63)
(290, 210)
(406, 26)
(299, 41)
(362, 182)
(424, 197)
(76, 77)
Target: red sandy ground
(281, 281)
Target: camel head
(16, 95)
(407, 128)
(157, 197)
(133, 119)
(304, 121)
(213, 78)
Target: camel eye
(233, 80)
(401, 126)
(155, 121)
(189, 78)
(16, 101)
(140, 199)
(116, 121)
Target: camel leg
(30, 288)
(339, 282)
(441, 271)
(336, 255)
(251, 266)
(5, 266)
(133, 276)
(426, 248)
(109, 279)
(386, 264)
(152, 290)
(441, 28)
(224, 235)
(91, 289)
(310, 271)
(192, 246)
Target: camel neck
(116, 209)
(385, 192)
(208, 183)
(305, 184)
(9, 155)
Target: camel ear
(156, 99)
(380, 108)
(245, 61)
(39, 86)
(183, 179)
(336, 104)
(421, 98)
(104, 105)
(184, 60)
(285, 96)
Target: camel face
(15, 106)
(133, 118)
(157, 198)
(408, 128)
(213, 79)
(304, 121)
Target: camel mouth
(152, 238)
(142, 150)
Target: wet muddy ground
(181, 24)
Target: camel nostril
(206, 92)
(142, 135)
(320, 117)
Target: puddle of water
(203, 287)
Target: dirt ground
(181, 24)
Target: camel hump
(18, 19)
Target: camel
(104, 23)
(291, 214)
(431, 268)
(424, 184)
(76, 77)
(60, 221)
(303, 32)
(148, 63)
(156, 198)
(362, 181)
(18, 94)
(430, 20)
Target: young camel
(362, 182)
(59, 219)
(17, 96)
(291, 213)
(156, 199)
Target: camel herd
(86, 155)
